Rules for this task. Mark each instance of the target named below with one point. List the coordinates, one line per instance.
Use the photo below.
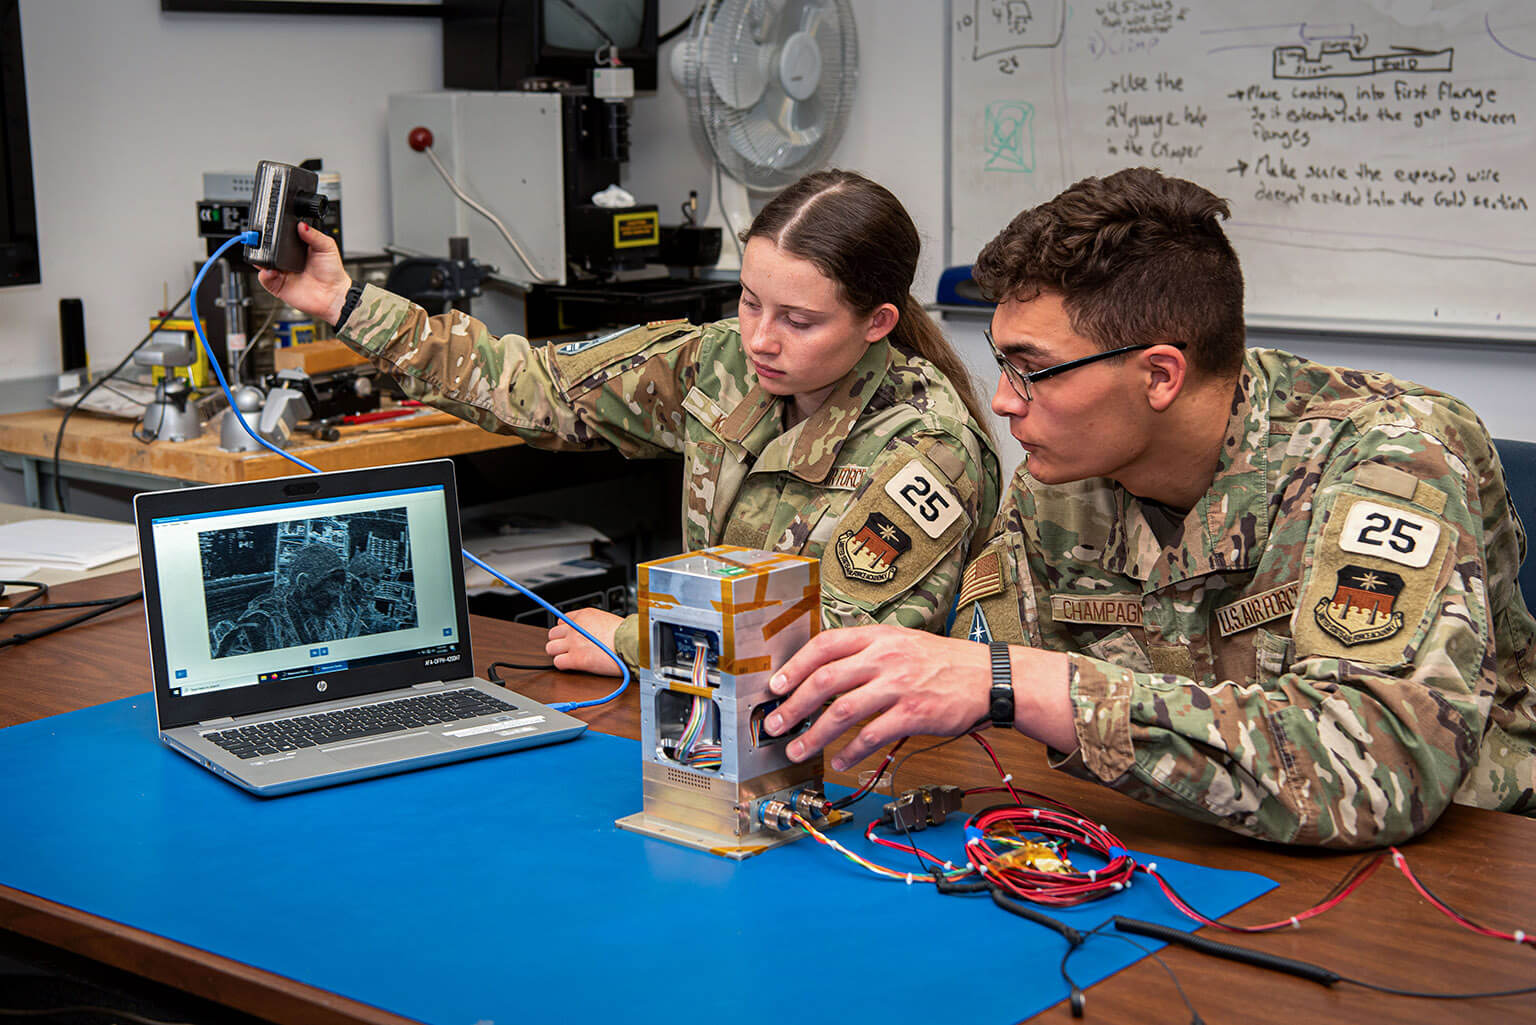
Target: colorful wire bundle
(997, 838)
(692, 752)
(1009, 846)
(946, 871)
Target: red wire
(1018, 795)
(1007, 779)
(873, 837)
(1401, 861)
(1062, 822)
(874, 777)
(1292, 922)
(1054, 888)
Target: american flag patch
(983, 578)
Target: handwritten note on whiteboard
(1378, 154)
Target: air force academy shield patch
(871, 552)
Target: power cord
(1078, 998)
(58, 441)
(1275, 963)
(678, 29)
(98, 607)
(494, 677)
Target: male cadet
(1258, 591)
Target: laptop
(313, 630)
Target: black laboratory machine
(521, 155)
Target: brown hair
(1136, 257)
(858, 234)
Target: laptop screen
(266, 603)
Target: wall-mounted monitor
(498, 44)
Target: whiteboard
(1379, 156)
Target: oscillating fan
(769, 84)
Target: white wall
(129, 106)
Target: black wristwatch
(1000, 707)
(354, 296)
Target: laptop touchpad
(387, 749)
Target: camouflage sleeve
(1374, 715)
(626, 642)
(900, 545)
(624, 389)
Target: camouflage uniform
(886, 483)
(1335, 648)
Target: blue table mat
(499, 890)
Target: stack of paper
(54, 543)
(523, 550)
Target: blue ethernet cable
(251, 238)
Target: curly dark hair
(1136, 257)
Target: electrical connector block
(917, 809)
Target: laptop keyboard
(270, 738)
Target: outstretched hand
(909, 680)
(574, 653)
(320, 289)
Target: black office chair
(1519, 459)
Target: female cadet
(829, 419)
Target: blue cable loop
(251, 238)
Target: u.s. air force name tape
(1257, 608)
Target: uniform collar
(1229, 527)
(809, 450)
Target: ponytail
(916, 334)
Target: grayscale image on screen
(279, 585)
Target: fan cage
(734, 47)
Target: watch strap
(1000, 704)
(354, 296)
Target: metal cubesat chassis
(754, 610)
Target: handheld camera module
(284, 195)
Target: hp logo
(320, 686)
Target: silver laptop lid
(275, 594)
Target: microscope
(172, 415)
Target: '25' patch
(1396, 535)
(921, 494)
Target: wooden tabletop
(1479, 862)
(103, 441)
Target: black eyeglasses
(1020, 380)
